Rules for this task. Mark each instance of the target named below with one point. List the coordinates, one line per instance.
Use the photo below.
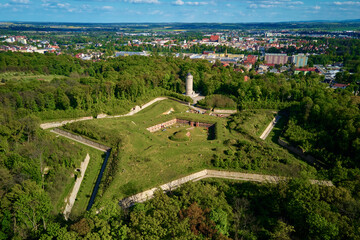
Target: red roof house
(215, 38)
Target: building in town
(300, 60)
(275, 58)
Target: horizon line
(290, 21)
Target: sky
(219, 11)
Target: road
(267, 131)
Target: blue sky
(117, 11)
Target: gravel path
(267, 131)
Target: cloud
(52, 5)
(4, 5)
(266, 5)
(347, 3)
(274, 4)
(63, 5)
(317, 7)
(196, 3)
(180, 3)
(107, 8)
(21, 1)
(143, 1)
(157, 12)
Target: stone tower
(189, 84)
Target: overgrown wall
(298, 151)
(81, 139)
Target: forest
(322, 121)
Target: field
(21, 76)
(149, 159)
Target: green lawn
(150, 159)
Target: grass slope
(65, 181)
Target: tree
(320, 228)
(31, 124)
(307, 104)
(282, 231)
(30, 206)
(220, 217)
(199, 222)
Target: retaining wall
(245, 176)
(162, 125)
(59, 124)
(71, 200)
(298, 151)
(223, 111)
(143, 196)
(148, 194)
(81, 139)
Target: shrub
(217, 101)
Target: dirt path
(148, 194)
(71, 200)
(270, 127)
